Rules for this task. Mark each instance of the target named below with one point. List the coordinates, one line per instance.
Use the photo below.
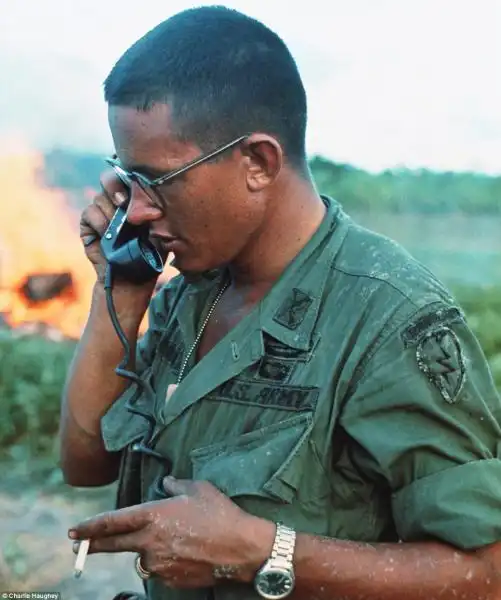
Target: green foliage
(72, 170)
(406, 191)
(32, 373)
(483, 309)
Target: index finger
(112, 185)
(115, 522)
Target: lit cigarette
(83, 549)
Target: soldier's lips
(166, 244)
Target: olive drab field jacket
(353, 402)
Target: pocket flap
(259, 463)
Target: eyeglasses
(149, 185)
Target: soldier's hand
(182, 539)
(96, 217)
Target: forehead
(146, 137)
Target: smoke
(51, 100)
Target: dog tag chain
(171, 388)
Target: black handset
(128, 250)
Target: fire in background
(45, 277)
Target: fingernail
(72, 534)
(120, 198)
(88, 240)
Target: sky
(390, 83)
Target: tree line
(420, 191)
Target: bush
(32, 374)
(483, 310)
(33, 370)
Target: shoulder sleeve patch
(421, 326)
(440, 357)
(438, 350)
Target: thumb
(177, 487)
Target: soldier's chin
(193, 268)
(185, 266)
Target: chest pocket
(259, 463)
(268, 472)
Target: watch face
(275, 584)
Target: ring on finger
(140, 570)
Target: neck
(290, 221)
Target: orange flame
(39, 235)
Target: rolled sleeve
(425, 419)
(460, 506)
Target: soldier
(317, 418)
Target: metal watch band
(283, 548)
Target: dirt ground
(35, 552)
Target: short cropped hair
(223, 73)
